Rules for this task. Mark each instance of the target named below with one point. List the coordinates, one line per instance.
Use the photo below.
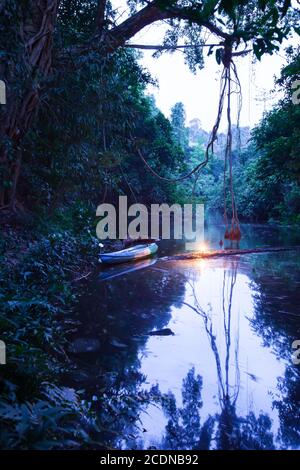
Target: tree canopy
(45, 39)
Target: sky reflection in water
(225, 379)
(218, 342)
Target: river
(223, 378)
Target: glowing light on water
(203, 247)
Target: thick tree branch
(117, 36)
(152, 13)
(128, 28)
(230, 252)
(159, 47)
(100, 17)
(241, 53)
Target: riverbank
(46, 268)
(40, 285)
(233, 321)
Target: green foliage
(54, 422)
(81, 150)
(277, 138)
(267, 172)
(264, 23)
(178, 118)
(36, 298)
(92, 106)
(106, 116)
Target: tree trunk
(232, 252)
(38, 20)
(37, 26)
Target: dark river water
(225, 378)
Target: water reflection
(253, 236)
(227, 392)
(276, 282)
(223, 381)
(225, 429)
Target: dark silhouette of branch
(154, 12)
(118, 35)
(222, 253)
(100, 17)
(158, 47)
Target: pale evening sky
(199, 93)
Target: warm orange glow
(203, 247)
(202, 264)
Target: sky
(199, 93)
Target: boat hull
(129, 254)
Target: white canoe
(129, 254)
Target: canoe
(129, 254)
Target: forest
(80, 128)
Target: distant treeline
(85, 144)
(266, 160)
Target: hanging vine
(230, 79)
(230, 84)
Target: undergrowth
(38, 295)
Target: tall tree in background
(276, 174)
(178, 118)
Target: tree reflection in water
(225, 430)
(276, 321)
(147, 303)
(120, 314)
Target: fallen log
(222, 253)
